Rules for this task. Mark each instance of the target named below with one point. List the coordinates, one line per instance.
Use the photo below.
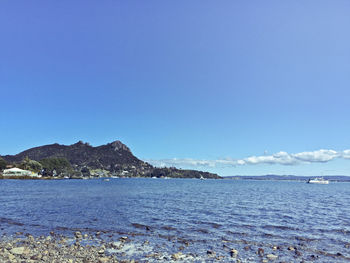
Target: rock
(298, 253)
(123, 239)
(103, 260)
(36, 257)
(177, 256)
(78, 235)
(271, 257)
(101, 251)
(17, 250)
(153, 255)
(11, 257)
(260, 252)
(233, 252)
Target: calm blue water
(200, 215)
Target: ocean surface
(188, 215)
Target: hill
(112, 159)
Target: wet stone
(233, 252)
(177, 256)
(78, 235)
(123, 239)
(17, 250)
(261, 252)
(271, 257)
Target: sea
(202, 218)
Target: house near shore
(14, 172)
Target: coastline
(87, 248)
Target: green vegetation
(178, 173)
(3, 164)
(31, 165)
(60, 165)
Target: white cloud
(282, 158)
(317, 156)
(346, 154)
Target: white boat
(318, 181)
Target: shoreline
(90, 248)
(87, 248)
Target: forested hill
(112, 159)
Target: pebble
(51, 249)
(103, 260)
(17, 250)
(271, 257)
(233, 252)
(78, 235)
(177, 256)
(123, 239)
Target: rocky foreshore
(85, 248)
(53, 249)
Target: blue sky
(192, 80)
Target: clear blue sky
(204, 80)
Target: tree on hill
(56, 165)
(3, 164)
(31, 165)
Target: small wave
(9, 221)
(279, 227)
(229, 232)
(169, 228)
(141, 226)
